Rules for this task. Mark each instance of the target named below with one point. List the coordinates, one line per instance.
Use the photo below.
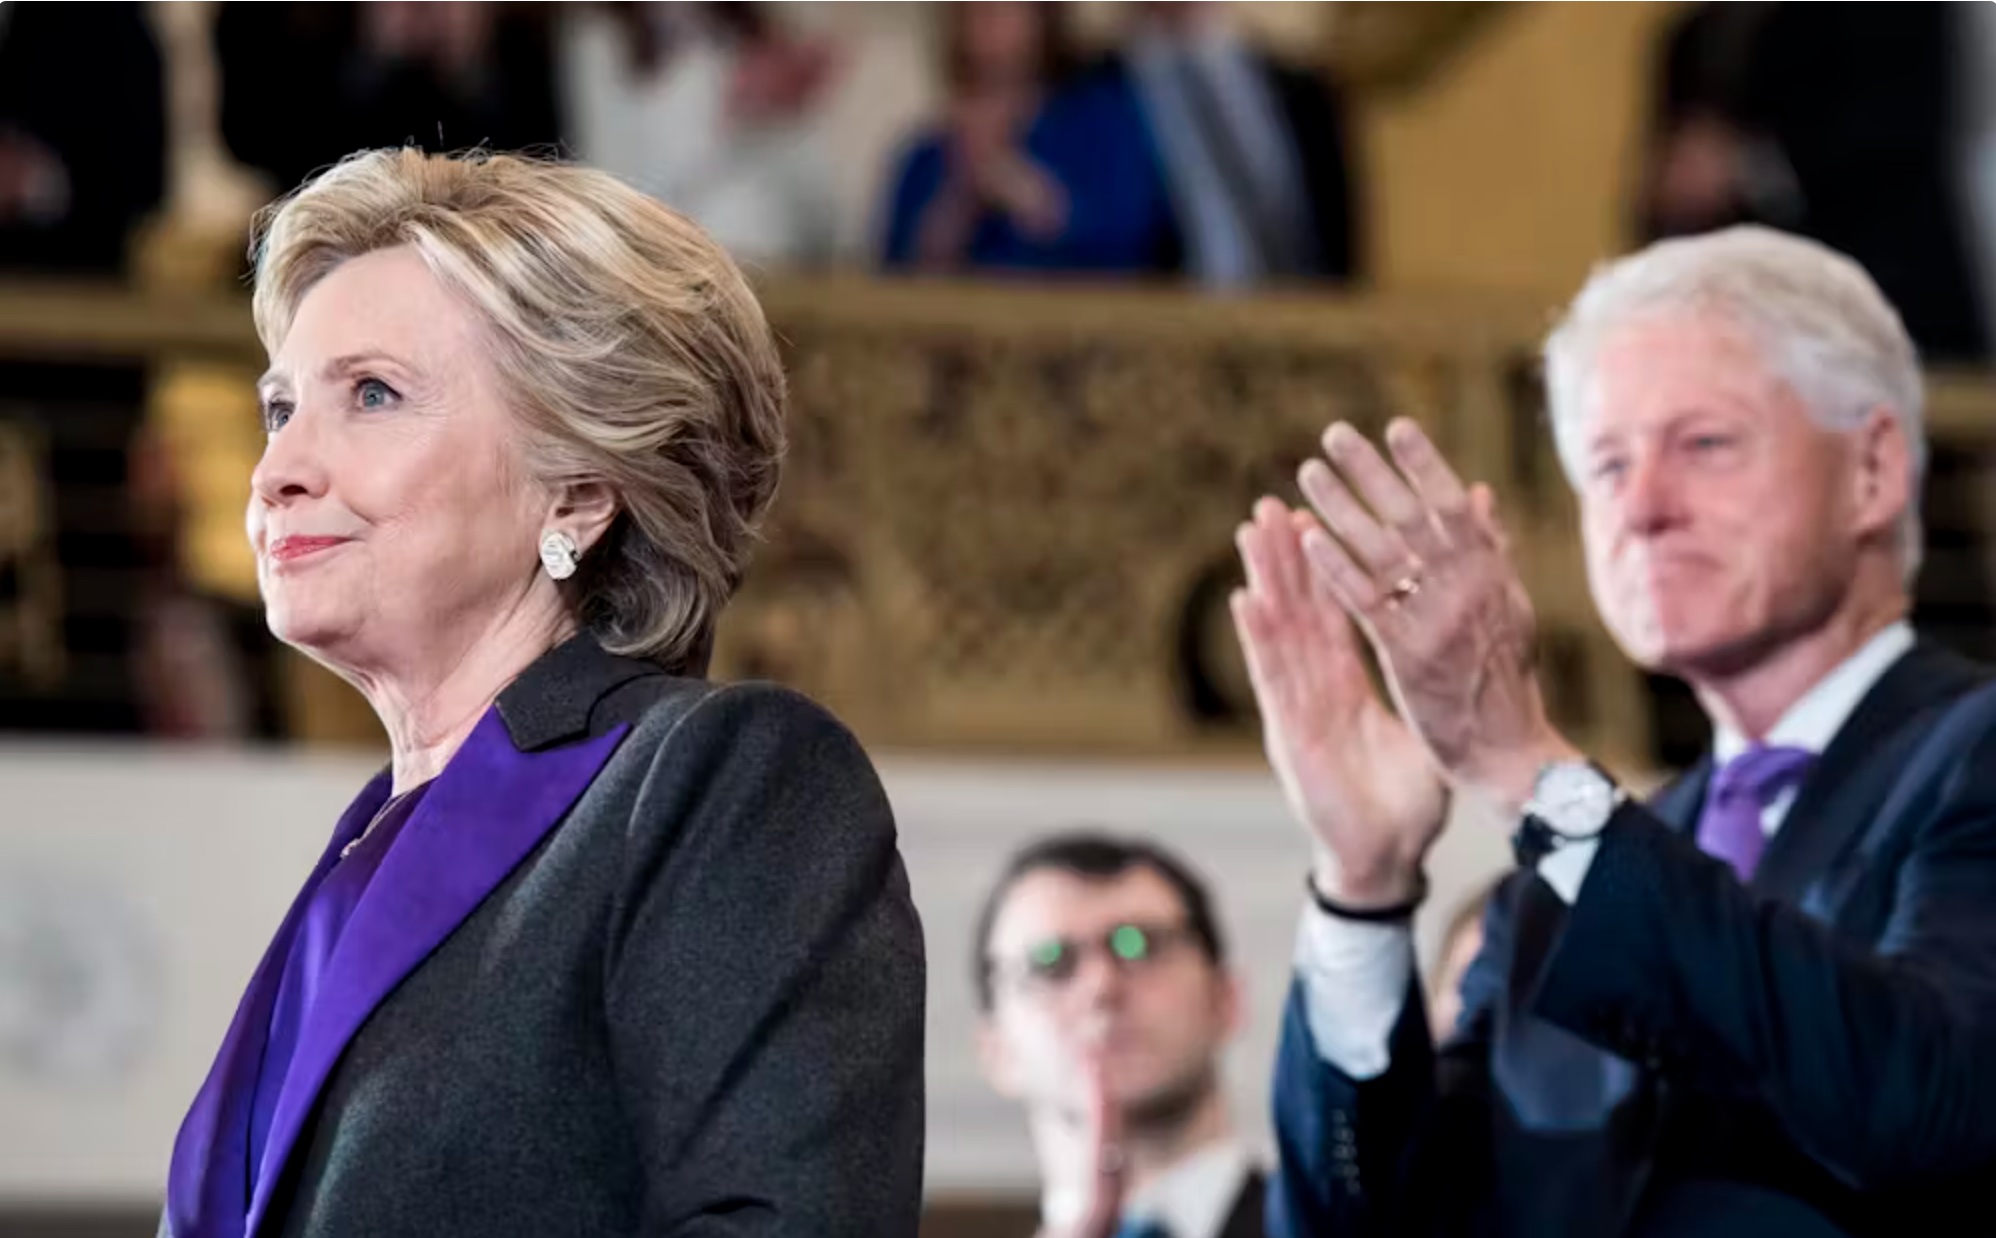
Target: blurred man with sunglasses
(1106, 1001)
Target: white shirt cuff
(1566, 868)
(1355, 976)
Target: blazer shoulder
(694, 714)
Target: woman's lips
(292, 549)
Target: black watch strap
(1534, 840)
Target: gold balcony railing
(1007, 517)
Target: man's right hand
(1107, 1169)
(1354, 774)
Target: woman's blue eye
(275, 414)
(373, 393)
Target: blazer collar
(555, 699)
(1847, 784)
(520, 771)
(486, 812)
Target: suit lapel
(1250, 1206)
(489, 809)
(208, 1184)
(1678, 804)
(1849, 781)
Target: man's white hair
(1820, 322)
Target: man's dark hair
(1097, 856)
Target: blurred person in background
(1863, 126)
(302, 84)
(82, 135)
(1033, 168)
(714, 109)
(82, 167)
(606, 948)
(1705, 165)
(1256, 154)
(1106, 1002)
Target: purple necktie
(1730, 827)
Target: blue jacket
(1092, 137)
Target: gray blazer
(643, 961)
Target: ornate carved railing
(1008, 514)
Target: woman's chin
(310, 634)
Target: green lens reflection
(1129, 943)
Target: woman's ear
(584, 511)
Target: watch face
(1574, 798)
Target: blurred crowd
(1177, 149)
(1169, 145)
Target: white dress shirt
(1355, 974)
(1191, 1200)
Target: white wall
(138, 886)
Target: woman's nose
(292, 465)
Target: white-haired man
(1764, 1003)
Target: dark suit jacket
(1677, 1053)
(642, 962)
(1319, 133)
(1315, 111)
(1091, 137)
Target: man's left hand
(1421, 563)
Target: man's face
(1719, 519)
(1067, 987)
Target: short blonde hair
(632, 347)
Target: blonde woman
(607, 949)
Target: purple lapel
(208, 1187)
(488, 810)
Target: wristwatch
(1571, 802)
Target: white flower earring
(559, 554)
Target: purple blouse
(312, 949)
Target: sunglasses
(1053, 962)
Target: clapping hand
(1353, 772)
(1421, 563)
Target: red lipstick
(292, 549)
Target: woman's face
(392, 520)
(1001, 44)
